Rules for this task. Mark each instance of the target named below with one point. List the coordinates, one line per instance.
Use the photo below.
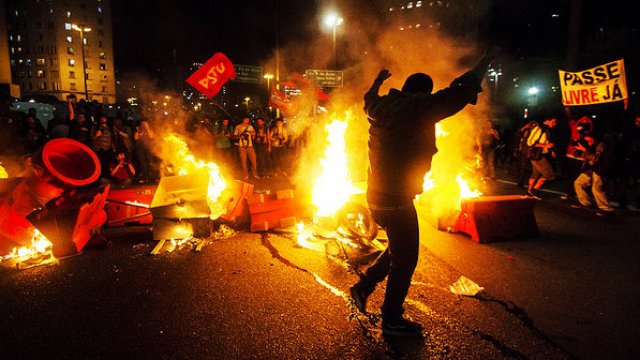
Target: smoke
(368, 43)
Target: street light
(82, 29)
(333, 20)
(268, 77)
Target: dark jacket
(402, 136)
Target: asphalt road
(569, 293)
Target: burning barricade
(51, 212)
(185, 204)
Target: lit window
(19, 49)
(20, 61)
(10, 37)
(42, 86)
(84, 41)
(40, 73)
(27, 62)
(50, 11)
(390, 9)
(418, 4)
(13, 50)
(418, 26)
(103, 66)
(410, 5)
(41, 62)
(70, 51)
(103, 55)
(16, 13)
(68, 14)
(72, 62)
(18, 38)
(67, 26)
(69, 39)
(401, 28)
(13, 62)
(99, 9)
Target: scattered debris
(465, 287)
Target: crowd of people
(594, 165)
(249, 149)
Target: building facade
(62, 47)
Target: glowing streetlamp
(268, 77)
(333, 20)
(82, 29)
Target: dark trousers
(398, 261)
(264, 159)
(145, 159)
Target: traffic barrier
(493, 218)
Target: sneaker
(533, 194)
(359, 299)
(401, 327)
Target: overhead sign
(212, 75)
(325, 78)
(248, 74)
(601, 84)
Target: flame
(303, 235)
(440, 132)
(41, 248)
(3, 173)
(333, 188)
(428, 183)
(465, 190)
(185, 163)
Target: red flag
(212, 75)
(279, 100)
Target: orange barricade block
(491, 218)
(281, 209)
(235, 197)
(130, 206)
(72, 223)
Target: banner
(601, 84)
(212, 75)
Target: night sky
(245, 30)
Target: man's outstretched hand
(383, 75)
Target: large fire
(333, 188)
(3, 173)
(446, 185)
(38, 253)
(184, 163)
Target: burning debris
(38, 253)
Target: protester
(143, 137)
(596, 164)
(574, 157)
(122, 136)
(263, 149)
(224, 145)
(541, 155)
(401, 144)
(34, 133)
(102, 143)
(244, 133)
(80, 127)
(278, 138)
(121, 170)
(487, 144)
(522, 153)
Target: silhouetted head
(418, 83)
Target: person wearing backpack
(540, 154)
